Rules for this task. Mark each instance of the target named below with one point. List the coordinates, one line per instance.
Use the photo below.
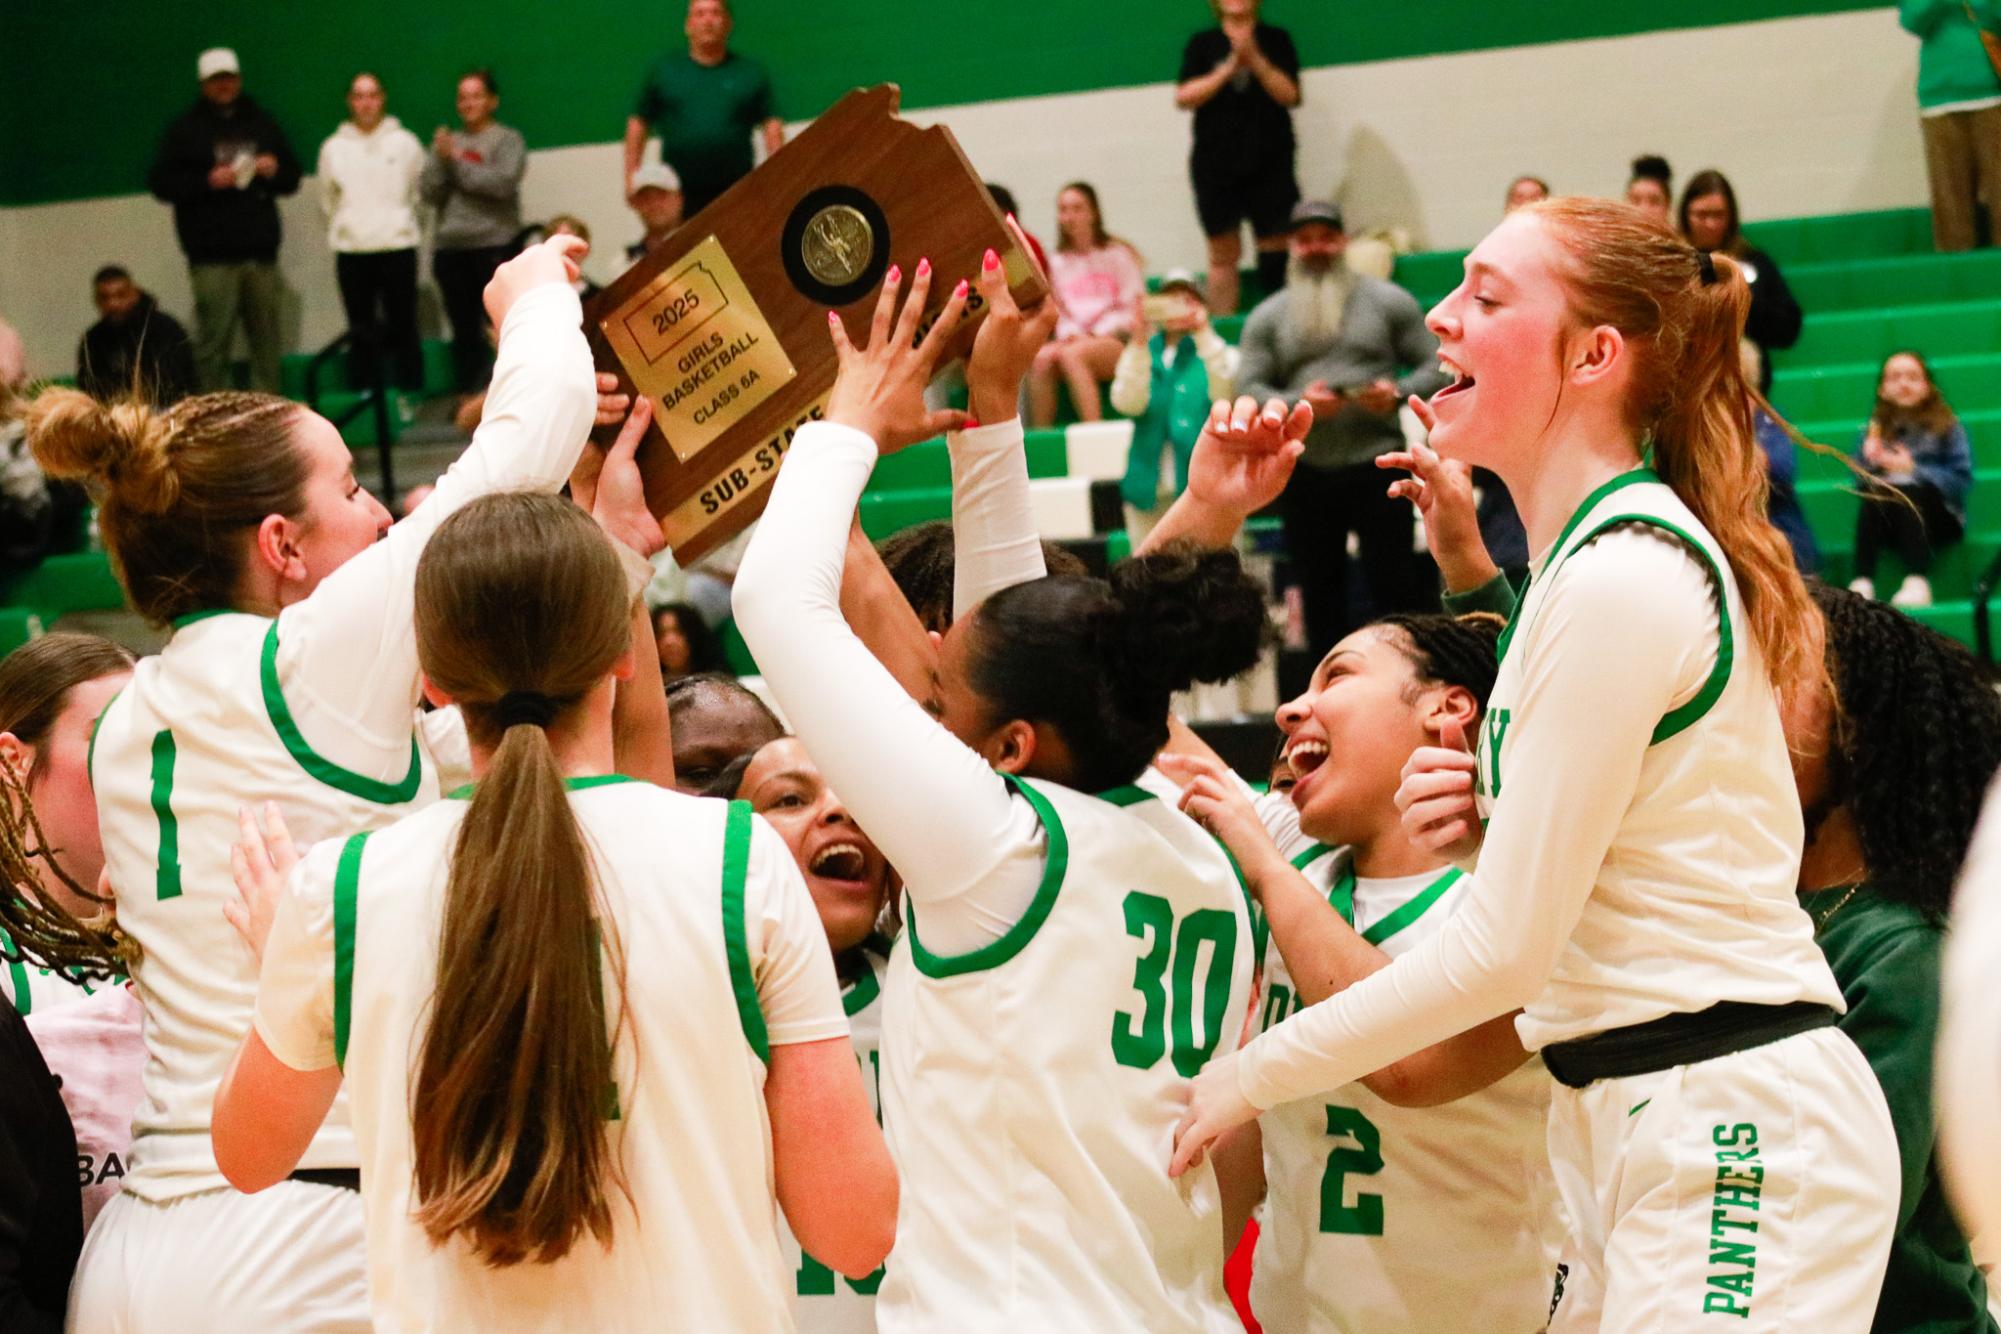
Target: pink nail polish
(894, 276)
(990, 262)
(924, 268)
(833, 317)
(960, 290)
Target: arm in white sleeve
(1601, 668)
(1132, 379)
(968, 853)
(1220, 360)
(347, 655)
(995, 544)
(329, 187)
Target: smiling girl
(1720, 1148)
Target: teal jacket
(1177, 407)
(1952, 64)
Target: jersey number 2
(1165, 979)
(1364, 1218)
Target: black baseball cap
(1316, 210)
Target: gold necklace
(1820, 923)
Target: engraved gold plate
(737, 482)
(695, 342)
(837, 245)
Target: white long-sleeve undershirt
(1627, 632)
(995, 543)
(347, 653)
(970, 854)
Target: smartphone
(1159, 307)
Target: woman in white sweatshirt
(368, 186)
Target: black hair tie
(1706, 266)
(531, 707)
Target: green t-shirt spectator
(705, 115)
(1885, 956)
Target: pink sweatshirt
(1096, 290)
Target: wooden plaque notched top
(725, 327)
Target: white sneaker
(1916, 591)
(1864, 586)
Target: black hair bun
(1183, 614)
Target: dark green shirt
(1885, 956)
(704, 115)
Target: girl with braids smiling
(1417, 1198)
(1630, 817)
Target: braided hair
(1917, 739)
(1452, 650)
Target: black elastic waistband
(344, 1178)
(1680, 1039)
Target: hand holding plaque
(723, 328)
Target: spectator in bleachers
(222, 164)
(1916, 449)
(1338, 340)
(473, 179)
(685, 642)
(1959, 111)
(368, 170)
(1650, 188)
(703, 103)
(1165, 380)
(1710, 221)
(1004, 201)
(1524, 190)
(1097, 282)
(656, 197)
(1241, 79)
(135, 347)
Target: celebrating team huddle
(988, 998)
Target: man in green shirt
(1959, 105)
(703, 103)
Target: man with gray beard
(1354, 347)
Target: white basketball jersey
(1397, 1220)
(703, 921)
(31, 988)
(1032, 1087)
(823, 1301)
(202, 730)
(1688, 908)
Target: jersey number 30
(1165, 978)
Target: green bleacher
(1868, 282)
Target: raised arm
(1240, 464)
(347, 655)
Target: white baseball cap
(216, 60)
(655, 176)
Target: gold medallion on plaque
(695, 342)
(837, 245)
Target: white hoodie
(368, 187)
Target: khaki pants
(1963, 163)
(246, 292)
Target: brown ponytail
(521, 611)
(35, 684)
(1689, 397)
(179, 489)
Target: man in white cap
(656, 197)
(222, 164)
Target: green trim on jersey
(1625, 479)
(736, 862)
(317, 765)
(1307, 856)
(346, 891)
(90, 751)
(464, 791)
(1130, 795)
(24, 999)
(187, 619)
(1342, 897)
(1055, 862)
(1680, 719)
(858, 997)
(167, 865)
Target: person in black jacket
(222, 164)
(41, 1209)
(1709, 219)
(135, 347)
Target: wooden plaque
(725, 327)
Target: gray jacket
(477, 193)
(1382, 333)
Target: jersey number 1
(1165, 980)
